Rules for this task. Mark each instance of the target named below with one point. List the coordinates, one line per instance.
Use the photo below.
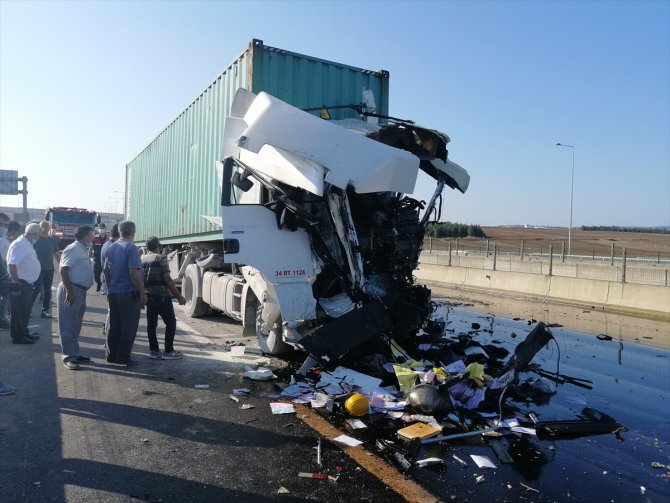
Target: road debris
(282, 408)
(259, 374)
(529, 488)
(422, 463)
(423, 394)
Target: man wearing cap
(24, 269)
(76, 271)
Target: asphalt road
(146, 433)
(115, 434)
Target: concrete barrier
(642, 300)
(454, 276)
(579, 291)
(627, 296)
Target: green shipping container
(172, 183)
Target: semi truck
(296, 226)
(64, 222)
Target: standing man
(4, 288)
(5, 279)
(24, 268)
(98, 242)
(160, 288)
(113, 237)
(76, 271)
(14, 229)
(126, 295)
(46, 249)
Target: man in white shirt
(76, 271)
(4, 273)
(24, 269)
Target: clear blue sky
(85, 86)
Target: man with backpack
(159, 287)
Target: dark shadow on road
(184, 426)
(125, 482)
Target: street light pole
(572, 192)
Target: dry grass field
(585, 243)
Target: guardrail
(639, 270)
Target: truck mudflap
(333, 340)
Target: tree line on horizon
(454, 230)
(615, 228)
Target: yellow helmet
(357, 405)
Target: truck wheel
(191, 290)
(270, 341)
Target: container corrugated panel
(172, 183)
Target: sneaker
(71, 365)
(45, 314)
(6, 390)
(173, 355)
(155, 355)
(83, 359)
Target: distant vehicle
(65, 221)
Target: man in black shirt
(46, 249)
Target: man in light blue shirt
(126, 295)
(76, 271)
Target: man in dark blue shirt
(126, 296)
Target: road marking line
(408, 489)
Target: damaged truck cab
(320, 239)
(307, 236)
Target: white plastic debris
(282, 408)
(260, 374)
(429, 461)
(482, 461)
(347, 440)
(335, 382)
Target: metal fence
(620, 269)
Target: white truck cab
(320, 240)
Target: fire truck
(65, 221)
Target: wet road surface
(631, 383)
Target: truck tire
(191, 289)
(270, 341)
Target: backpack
(153, 275)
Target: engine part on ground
(333, 340)
(526, 350)
(429, 399)
(592, 422)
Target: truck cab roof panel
(341, 152)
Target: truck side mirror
(241, 181)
